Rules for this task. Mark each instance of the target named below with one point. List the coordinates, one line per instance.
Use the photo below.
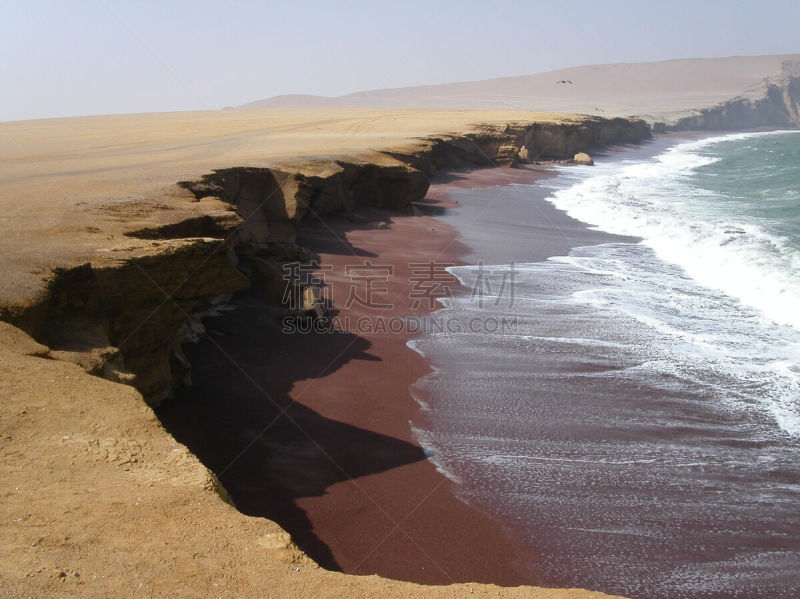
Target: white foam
(653, 200)
(432, 453)
(705, 324)
(414, 344)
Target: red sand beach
(332, 433)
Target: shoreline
(408, 507)
(532, 230)
(614, 423)
(99, 498)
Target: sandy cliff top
(70, 188)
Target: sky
(68, 58)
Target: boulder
(583, 158)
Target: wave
(683, 334)
(687, 225)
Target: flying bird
(564, 81)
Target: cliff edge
(119, 233)
(122, 258)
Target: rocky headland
(772, 102)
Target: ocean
(638, 419)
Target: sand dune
(665, 90)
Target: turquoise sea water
(641, 426)
(726, 209)
(756, 178)
(726, 212)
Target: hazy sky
(63, 58)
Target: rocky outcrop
(126, 322)
(520, 143)
(775, 102)
(582, 158)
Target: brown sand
(417, 529)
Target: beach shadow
(430, 207)
(449, 176)
(267, 450)
(328, 236)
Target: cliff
(114, 247)
(773, 102)
(125, 318)
(100, 501)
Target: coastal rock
(523, 142)
(313, 303)
(583, 158)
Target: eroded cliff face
(126, 321)
(775, 102)
(520, 143)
